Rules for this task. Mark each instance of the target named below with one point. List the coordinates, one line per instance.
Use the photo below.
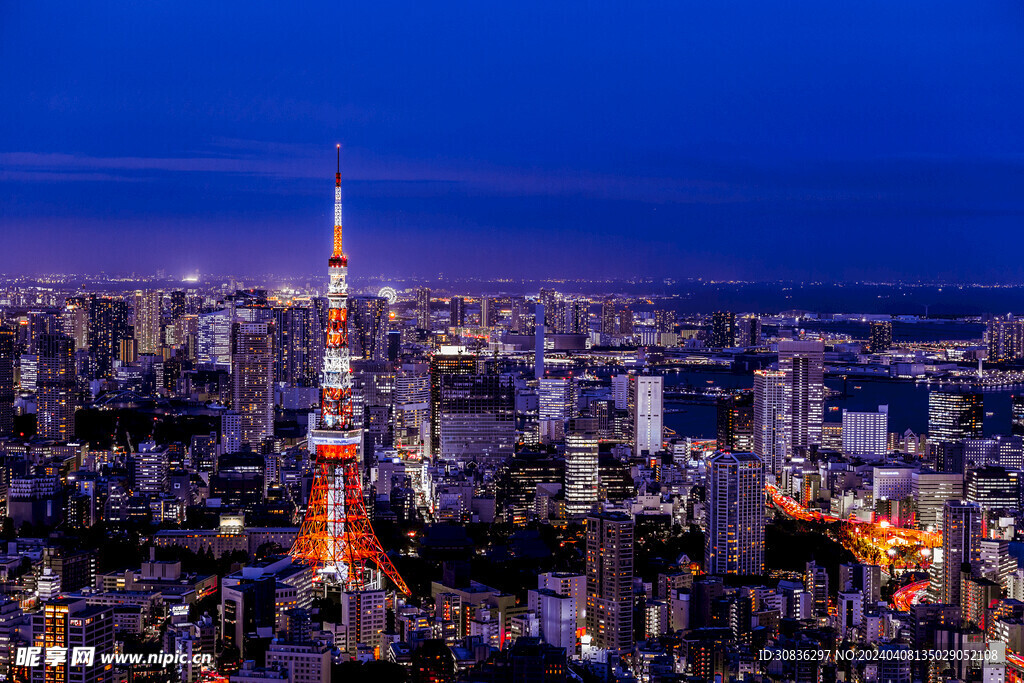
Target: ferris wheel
(388, 293)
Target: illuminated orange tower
(336, 537)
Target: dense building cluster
(524, 469)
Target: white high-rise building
(771, 430)
(574, 585)
(804, 365)
(555, 395)
(734, 543)
(581, 472)
(646, 411)
(931, 490)
(866, 434)
(556, 613)
(620, 391)
(213, 338)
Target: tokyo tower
(336, 537)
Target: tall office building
(961, 535)
(735, 423)
(457, 312)
(522, 316)
(488, 311)
(368, 327)
(734, 543)
(880, 336)
(748, 331)
(610, 581)
(723, 329)
(1005, 339)
(148, 307)
(55, 387)
(577, 316)
(423, 308)
(252, 374)
(646, 412)
(954, 415)
(608, 318)
(804, 365)
(549, 300)
(108, 325)
(178, 304)
(556, 398)
(866, 434)
(442, 364)
(477, 417)
(412, 407)
(626, 321)
(581, 466)
(930, 491)
(213, 337)
(68, 625)
(771, 428)
(76, 321)
(7, 392)
(298, 346)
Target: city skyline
(704, 136)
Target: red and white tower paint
(336, 536)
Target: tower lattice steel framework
(336, 536)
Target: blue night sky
(797, 139)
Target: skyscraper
(735, 423)
(961, 535)
(610, 581)
(488, 312)
(423, 308)
(477, 417)
(804, 365)
(522, 316)
(213, 337)
(442, 364)
(954, 415)
(626, 321)
(55, 384)
(734, 543)
(723, 329)
(252, 374)
(880, 336)
(7, 393)
(368, 327)
(457, 312)
(108, 325)
(148, 307)
(608, 319)
(298, 345)
(1005, 339)
(581, 466)
(771, 428)
(178, 304)
(748, 331)
(556, 398)
(646, 412)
